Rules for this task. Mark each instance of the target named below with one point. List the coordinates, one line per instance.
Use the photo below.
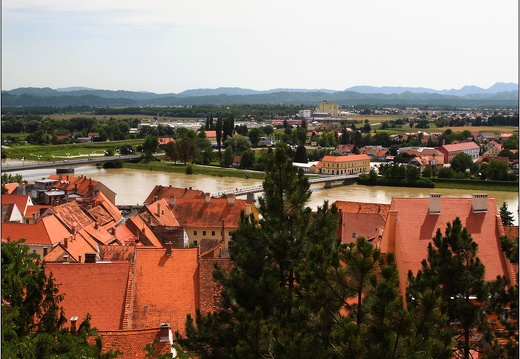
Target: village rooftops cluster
(140, 275)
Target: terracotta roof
(415, 228)
(20, 200)
(95, 288)
(166, 287)
(199, 213)
(100, 200)
(360, 207)
(167, 192)
(36, 210)
(159, 214)
(209, 288)
(143, 231)
(117, 253)
(11, 188)
(345, 158)
(98, 233)
(72, 215)
(354, 225)
(133, 342)
(460, 146)
(511, 231)
(124, 235)
(81, 185)
(47, 231)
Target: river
(133, 186)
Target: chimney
(158, 209)
(66, 242)
(172, 201)
(207, 196)
(164, 333)
(231, 199)
(79, 258)
(73, 321)
(248, 209)
(435, 203)
(168, 249)
(479, 203)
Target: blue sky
(167, 46)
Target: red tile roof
(160, 214)
(460, 146)
(47, 231)
(133, 342)
(360, 207)
(95, 288)
(72, 215)
(11, 187)
(415, 228)
(353, 225)
(36, 210)
(167, 192)
(200, 213)
(166, 287)
(142, 230)
(345, 158)
(20, 200)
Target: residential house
(81, 186)
(339, 165)
(41, 237)
(172, 193)
(486, 136)
(210, 221)
(130, 307)
(493, 148)
(361, 220)
(435, 162)
(469, 148)
(11, 213)
(164, 225)
(505, 136)
(413, 222)
(346, 149)
(21, 201)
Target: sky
(167, 46)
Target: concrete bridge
(251, 190)
(68, 164)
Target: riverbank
(197, 169)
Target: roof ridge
(130, 290)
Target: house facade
(343, 165)
(469, 148)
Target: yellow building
(345, 165)
(326, 107)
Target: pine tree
(506, 216)
(453, 267)
(273, 304)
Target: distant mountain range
(500, 95)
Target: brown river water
(133, 186)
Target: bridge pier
(64, 170)
(251, 197)
(328, 184)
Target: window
(194, 233)
(44, 251)
(195, 243)
(203, 233)
(213, 233)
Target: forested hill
(499, 95)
